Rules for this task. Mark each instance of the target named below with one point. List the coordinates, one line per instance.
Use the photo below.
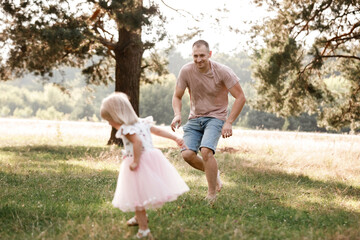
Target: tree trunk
(128, 55)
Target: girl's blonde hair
(117, 107)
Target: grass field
(57, 181)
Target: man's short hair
(199, 43)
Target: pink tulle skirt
(152, 184)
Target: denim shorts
(202, 132)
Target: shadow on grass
(266, 204)
(287, 183)
(254, 204)
(41, 184)
(46, 152)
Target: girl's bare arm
(162, 133)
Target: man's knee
(206, 153)
(188, 155)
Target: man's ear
(210, 52)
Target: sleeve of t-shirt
(230, 78)
(181, 80)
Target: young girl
(146, 179)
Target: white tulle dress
(154, 182)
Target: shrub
(5, 111)
(23, 112)
(50, 114)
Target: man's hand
(226, 130)
(176, 122)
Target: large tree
(303, 44)
(40, 37)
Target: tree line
(30, 98)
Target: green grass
(58, 191)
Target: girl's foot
(132, 222)
(144, 234)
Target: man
(208, 83)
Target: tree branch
(306, 26)
(145, 66)
(341, 56)
(340, 38)
(178, 11)
(327, 56)
(110, 45)
(348, 33)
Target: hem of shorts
(214, 150)
(183, 149)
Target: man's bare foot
(210, 199)
(218, 182)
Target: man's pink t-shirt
(208, 91)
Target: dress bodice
(141, 129)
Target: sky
(221, 39)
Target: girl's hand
(133, 166)
(180, 142)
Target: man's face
(201, 57)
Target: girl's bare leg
(144, 231)
(141, 219)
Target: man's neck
(206, 70)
